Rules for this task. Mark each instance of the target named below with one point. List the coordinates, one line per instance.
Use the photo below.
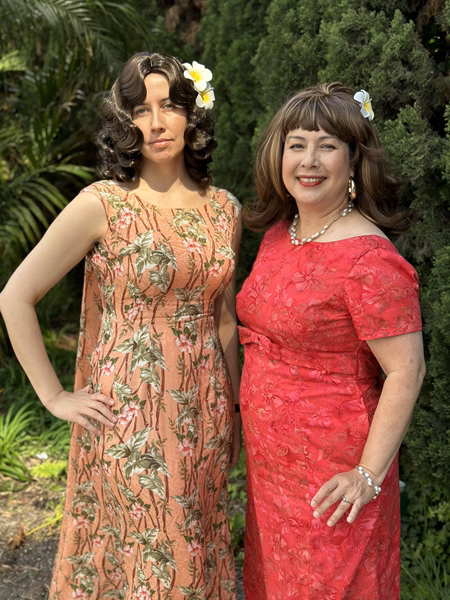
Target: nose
(157, 122)
(309, 158)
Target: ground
(26, 560)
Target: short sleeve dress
(145, 513)
(309, 389)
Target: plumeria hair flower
(366, 104)
(200, 77)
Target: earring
(351, 189)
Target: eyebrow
(322, 137)
(145, 103)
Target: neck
(163, 177)
(313, 218)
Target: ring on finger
(344, 499)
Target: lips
(310, 181)
(160, 142)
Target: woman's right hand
(82, 405)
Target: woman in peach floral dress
(329, 301)
(154, 427)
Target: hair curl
(330, 107)
(120, 141)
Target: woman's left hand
(349, 490)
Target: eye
(139, 111)
(296, 146)
(169, 105)
(329, 146)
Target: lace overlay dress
(309, 389)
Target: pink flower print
(192, 245)
(97, 351)
(202, 365)
(107, 368)
(311, 277)
(79, 594)
(137, 307)
(116, 576)
(186, 447)
(110, 511)
(98, 258)
(106, 469)
(129, 412)
(137, 512)
(97, 541)
(184, 343)
(215, 269)
(201, 468)
(124, 218)
(94, 470)
(82, 453)
(222, 223)
(195, 548)
(128, 550)
(141, 593)
(81, 522)
(221, 404)
(117, 268)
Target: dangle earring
(351, 189)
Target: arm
(67, 241)
(401, 358)
(225, 317)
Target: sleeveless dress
(309, 389)
(145, 513)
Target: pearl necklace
(293, 227)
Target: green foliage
(13, 426)
(49, 469)
(236, 507)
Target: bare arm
(401, 358)
(225, 317)
(67, 241)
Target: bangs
(319, 112)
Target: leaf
(138, 439)
(154, 460)
(18, 538)
(132, 465)
(162, 574)
(185, 398)
(111, 530)
(150, 375)
(125, 347)
(118, 451)
(152, 482)
(121, 390)
(160, 278)
(226, 251)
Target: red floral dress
(310, 386)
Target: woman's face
(316, 168)
(162, 123)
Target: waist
(358, 363)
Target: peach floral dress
(145, 513)
(309, 389)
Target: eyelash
(299, 146)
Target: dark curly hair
(331, 107)
(120, 141)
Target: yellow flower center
(366, 106)
(195, 75)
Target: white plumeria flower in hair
(366, 104)
(206, 98)
(199, 74)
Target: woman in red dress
(328, 306)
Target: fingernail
(313, 503)
(330, 523)
(315, 514)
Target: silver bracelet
(368, 478)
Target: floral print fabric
(145, 514)
(309, 388)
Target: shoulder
(104, 188)
(378, 257)
(225, 198)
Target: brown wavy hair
(120, 141)
(330, 107)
